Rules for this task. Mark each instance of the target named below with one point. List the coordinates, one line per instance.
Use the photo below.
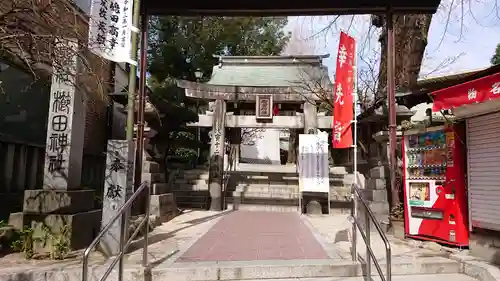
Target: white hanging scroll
(313, 163)
(110, 29)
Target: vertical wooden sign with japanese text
(110, 29)
(117, 188)
(66, 124)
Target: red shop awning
(475, 91)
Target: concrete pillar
(310, 118)
(62, 206)
(216, 170)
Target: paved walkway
(203, 245)
(249, 236)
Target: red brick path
(247, 236)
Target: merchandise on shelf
(426, 155)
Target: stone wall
(485, 244)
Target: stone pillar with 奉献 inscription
(216, 171)
(118, 187)
(62, 206)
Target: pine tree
(182, 45)
(495, 59)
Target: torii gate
(264, 8)
(261, 8)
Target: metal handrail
(123, 213)
(369, 216)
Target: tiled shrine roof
(288, 78)
(270, 71)
(236, 93)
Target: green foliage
(185, 44)
(496, 57)
(24, 243)
(171, 102)
(182, 45)
(60, 242)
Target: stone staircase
(191, 189)
(162, 203)
(152, 172)
(403, 269)
(278, 191)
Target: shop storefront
(477, 103)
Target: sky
(456, 43)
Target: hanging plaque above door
(264, 107)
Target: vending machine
(435, 185)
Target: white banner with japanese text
(110, 29)
(313, 163)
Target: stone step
(181, 180)
(262, 203)
(262, 208)
(151, 167)
(282, 181)
(192, 199)
(403, 269)
(216, 271)
(267, 195)
(419, 277)
(263, 181)
(264, 174)
(264, 195)
(282, 176)
(186, 187)
(153, 177)
(192, 176)
(268, 187)
(187, 193)
(158, 188)
(275, 188)
(195, 172)
(256, 169)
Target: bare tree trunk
(410, 41)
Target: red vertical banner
(343, 100)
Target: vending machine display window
(434, 185)
(419, 193)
